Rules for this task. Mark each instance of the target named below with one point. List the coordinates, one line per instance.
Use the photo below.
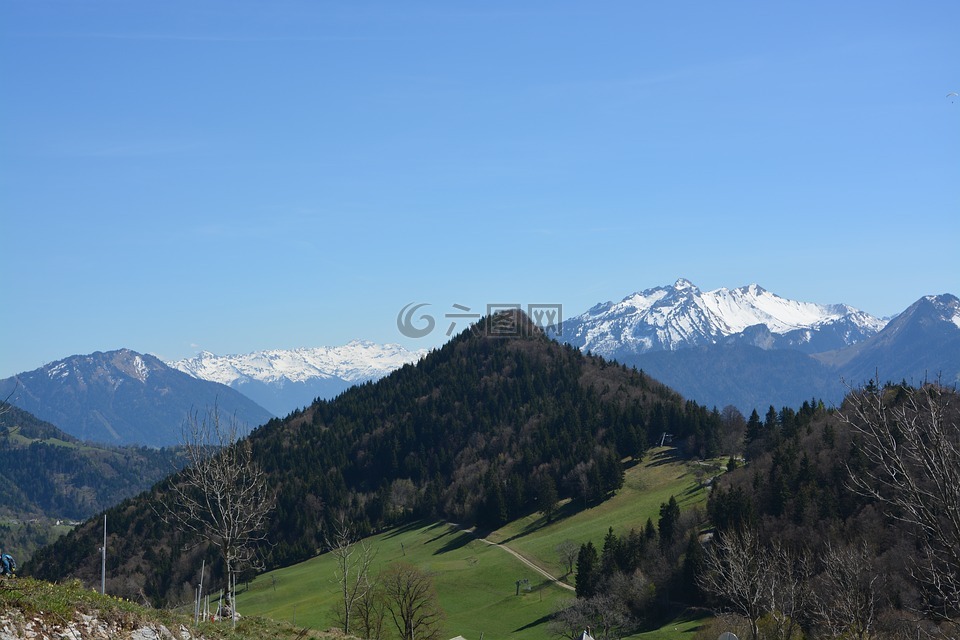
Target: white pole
(103, 559)
(203, 567)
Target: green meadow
(477, 581)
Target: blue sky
(235, 176)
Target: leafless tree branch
(354, 558)
(911, 440)
(222, 493)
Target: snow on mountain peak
(678, 316)
(356, 361)
(140, 369)
(948, 306)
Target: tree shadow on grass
(536, 623)
(692, 490)
(667, 456)
(449, 529)
(571, 508)
(410, 526)
(457, 542)
(677, 613)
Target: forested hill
(46, 472)
(816, 485)
(480, 431)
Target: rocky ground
(38, 610)
(14, 625)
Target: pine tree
(669, 521)
(754, 427)
(588, 572)
(610, 553)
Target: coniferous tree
(754, 427)
(649, 531)
(588, 571)
(609, 555)
(547, 497)
(669, 521)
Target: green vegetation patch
(646, 486)
(477, 582)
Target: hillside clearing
(478, 584)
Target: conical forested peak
(476, 432)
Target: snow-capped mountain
(751, 348)
(681, 316)
(922, 343)
(123, 397)
(283, 380)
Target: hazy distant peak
(356, 361)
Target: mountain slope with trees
(49, 477)
(122, 398)
(480, 431)
(46, 472)
(844, 523)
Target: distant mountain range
(681, 316)
(285, 380)
(123, 397)
(751, 348)
(745, 347)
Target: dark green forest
(47, 476)
(47, 473)
(813, 535)
(481, 431)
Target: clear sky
(235, 176)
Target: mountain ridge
(922, 343)
(283, 380)
(751, 348)
(673, 317)
(122, 397)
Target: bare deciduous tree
(758, 582)
(353, 559)
(603, 616)
(5, 405)
(412, 602)
(788, 591)
(848, 593)
(569, 620)
(911, 440)
(733, 426)
(222, 493)
(370, 612)
(739, 573)
(568, 551)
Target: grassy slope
(646, 487)
(18, 440)
(476, 581)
